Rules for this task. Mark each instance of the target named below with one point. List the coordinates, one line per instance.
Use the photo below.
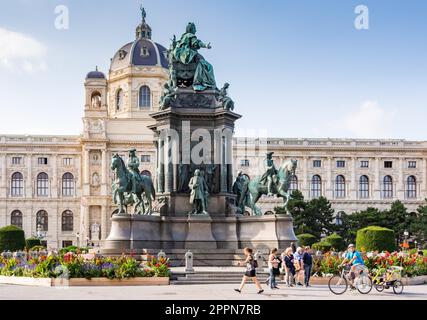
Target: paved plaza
(198, 292)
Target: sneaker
(238, 290)
(276, 287)
(299, 284)
(261, 291)
(307, 285)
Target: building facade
(58, 187)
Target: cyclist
(354, 259)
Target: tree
(397, 219)
(346, 229)
(322, 216)
(418, 224)
(297, 208)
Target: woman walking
(274, 268)
(289, 267)
(250, 273)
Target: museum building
(59, 187)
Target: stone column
(377, 184)
(168, 165)
(160, 166)
(86, 173)
(400, 188)
(224, 180)
(104, 174)
(54, 185)
(28, 191)
(3, 178)
(329, 192)
(353, 183)
(424, 178)
(104, 222)
(305, 189)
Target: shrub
(12, 239)
(37, 248)
(375, 238)
(323, 246)
(336, 241)
(306, 239)
(32, 242)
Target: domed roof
(141, 52)
(95, 75)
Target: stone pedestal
(199, 233)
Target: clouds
(20, 52)
(369, 121)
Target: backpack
(254, 264)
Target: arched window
(316, 186)
(340, 187)
(17, 184)
(146, 173)
(364, 187)
(42, 184)
(388, 187)
(16, 219)
(119, 99)
(411, 187)
(144, 97)
(293, 183)
(42, 220)
(67, 221)
(67, 185)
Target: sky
(297, 69)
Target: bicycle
(338, 284)
(386, 278)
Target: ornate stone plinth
(144, 233)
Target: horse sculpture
(122, 190)
(254, 189)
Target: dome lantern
(143, 31)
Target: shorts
(250, 274)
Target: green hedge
(306, 239)
(375, 238)
(11, 239)
(336, 241)
(323, 246)
(32, 242)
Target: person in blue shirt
(355, 260)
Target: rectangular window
(317, 164)
(244, 163)
(388, 164)
(42, 161)
(67, 161)
(364, 164)
(16, 160)
(340, 164)
(145, 158)
(412, 164)
(67, 243)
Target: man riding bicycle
(354, 259)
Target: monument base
(204, 234)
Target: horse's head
(287, 170)
(116, 162)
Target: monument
(200, 207)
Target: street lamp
(78, 239)
(406, 234)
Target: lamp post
(78, 239)
(406, 234)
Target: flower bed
(77, 266)
(413, 265)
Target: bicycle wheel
(338, 285)
(363, 284)
(398, 287)
(379, 287)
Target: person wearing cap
(354, 259)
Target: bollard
(258, 257)
(189, 262)
(161, 255)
